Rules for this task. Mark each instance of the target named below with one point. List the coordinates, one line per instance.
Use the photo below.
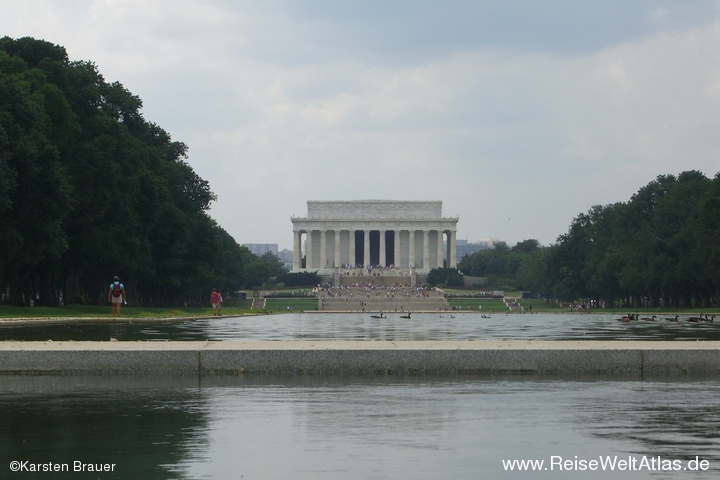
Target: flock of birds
(631, 317)
(634, 317)
(382, 315)
(407, 315)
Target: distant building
(261, 248)
(466, 248)
(287, 257)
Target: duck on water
(633, 317)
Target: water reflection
(138, 426)
(386, 427)
(671, 419)
(357, 326)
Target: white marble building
(406, 234)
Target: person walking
(215, 301)
(116, 296)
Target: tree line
(659, 249)
(90, 189)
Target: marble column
(323, 249)
(337, 248)
(452, 256)
(383, 260)
(411, 248)
(366, 253)
(351, 247)
(297, 254)
(426, 249)
(439, 248)
(396, 259)
(308, 250)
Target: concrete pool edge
(206, 358)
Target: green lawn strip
(85, 311)
(487, 304)
(279, 305)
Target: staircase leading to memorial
(387, 292)
(513, 304)
(258, 303)
(434, 303)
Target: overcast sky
(518, 115)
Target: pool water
(380, 427)
(364, 427)
(358, 326)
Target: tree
(448, 277)
(90, 189)
(503, 264)
(526, 246)
(652, 250)
(35, 191)
(300, 279)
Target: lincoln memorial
(403, 234)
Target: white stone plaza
(386, 233)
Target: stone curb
(362, 357)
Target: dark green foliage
(260, 270)
(300, 279)
(446, 277)
(659, 249)
(89, 189)
(521, 266)
(656, 250)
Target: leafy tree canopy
(446, 277)
(89, 189)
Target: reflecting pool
(381, 427)
(367, 427)
(358, 326)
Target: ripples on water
(356, 326)
(356, 427)
(383, 427)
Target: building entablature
(306, 224)
(356, 209)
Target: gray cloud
(518, 115)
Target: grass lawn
(540, 306)
(231, 307)
(279, 305)
(488, 304)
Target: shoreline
(22, 321)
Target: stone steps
(513, 304)
(375, 304)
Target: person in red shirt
(215, 301)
